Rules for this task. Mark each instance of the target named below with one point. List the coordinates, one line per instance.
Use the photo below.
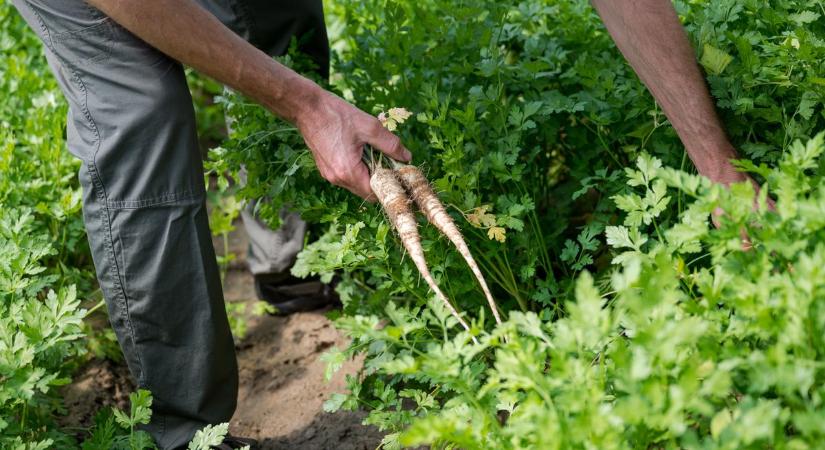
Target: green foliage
(225, 209)
(526, 120)
(45, 268)
(699, 343)
(239, 314)
(764, 62)
(209, 436)
(116, 430)
(632, 323)
(209, 115)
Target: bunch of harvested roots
(396, 188)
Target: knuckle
(394, 143)
(336, 177)
(329, 176)
(378, 129)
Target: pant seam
(182, 197)
(105, 216)
(107, 206)
(47, 35)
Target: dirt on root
(282, 386)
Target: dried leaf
(497, 233)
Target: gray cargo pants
(132, 124)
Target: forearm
(188, 33)
(650, 36)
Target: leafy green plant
(624, 323)
(117, 430)
(526, 136)
(631, 322)
(209, 436)
(45, 268)
(225, 209)
(39, 332)
(239, 314)
(696, 344)
(209, 115)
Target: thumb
(388, 143)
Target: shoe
(289, 294)
(233, 442)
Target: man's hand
(724, 173)
(650, 36)
(336, 132)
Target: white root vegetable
(395, 202)
(426, 199)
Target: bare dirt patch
(283, 388)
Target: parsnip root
(426, 199)
(395, 202)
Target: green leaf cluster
(115, 429)
(527, 119)
(45, 268)
(693, 342)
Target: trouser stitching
(76, 77)
(47, 36)
(105, 212)
(115, 272)
(99, 188)
(174, 198)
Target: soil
(282, 386)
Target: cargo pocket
(89, 45)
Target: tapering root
(421, 191)
(396, 203)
